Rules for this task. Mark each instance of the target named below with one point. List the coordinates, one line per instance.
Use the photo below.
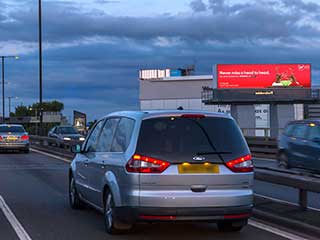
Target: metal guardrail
(52, 145)
(304, 183)
(265, 147)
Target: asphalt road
(35, 186)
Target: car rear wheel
(74, 199)
(283, 160)
(112, 224)
(231, 226)
(26, 151)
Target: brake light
(143, 164)
(24, 137)
(1, 138)
(242, 164)
(193, 116)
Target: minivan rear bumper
(208, 214)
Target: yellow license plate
(12, 138)
(186, 168)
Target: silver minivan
(164, 166)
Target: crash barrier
(53, 145)
(303, 181)
(263, 147)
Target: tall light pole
(3, 96)
(40, 62)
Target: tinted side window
(107, 134)
(123, 135)
(93, 139)
(314, 132)
(300, 131)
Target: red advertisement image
(263, 75)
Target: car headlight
(82, 138)
(66, 138)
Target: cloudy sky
(94, 49)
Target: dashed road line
(16, 225)
(283, 201)
(275, 230)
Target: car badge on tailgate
(199, 158)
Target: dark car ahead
(299, 145)
(14, 137)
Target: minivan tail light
(143, 164)
(24, 137)
(242, 164)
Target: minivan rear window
(178, 139)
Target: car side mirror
(76, 148)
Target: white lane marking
(51, 155)
(274, 230)
(283, 201)
(21, 233)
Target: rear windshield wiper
(212, 153)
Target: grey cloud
(299, 5)
(198, 6)
(227, 23)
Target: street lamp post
(40, 62)
(3, 96)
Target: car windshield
(14, 129)
(181, 139)
(67, 130)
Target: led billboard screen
(263, 75)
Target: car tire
(283, 160)
(74, 199)
(27, 151)
(112, 224)
(230, 226)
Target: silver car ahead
(164, 166)
(14, 137)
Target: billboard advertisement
(263, 75)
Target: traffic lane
(6, 230)
(284, 193)
(37, 194)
